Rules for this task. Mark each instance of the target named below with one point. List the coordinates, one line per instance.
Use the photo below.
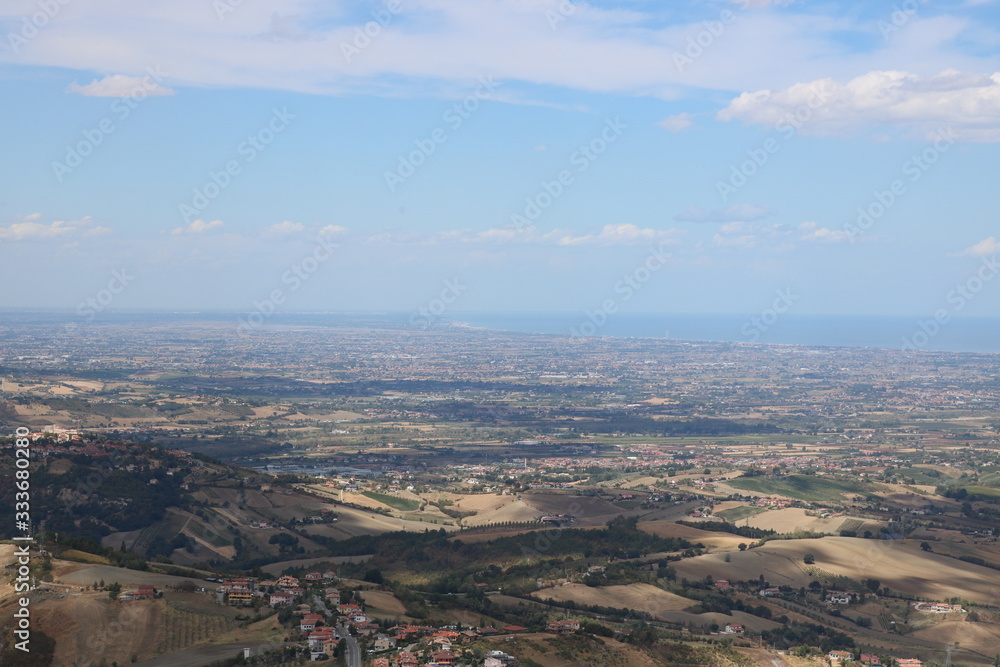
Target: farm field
(724, 541)
(589, 511)
(384, 602)
(794, 519)
(642, 597)
(76, 574)
(739, 512)
(119, 631)
(956, 630)
(900, 566)
(800, 487)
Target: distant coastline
(968, 335)
(976, 335)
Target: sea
(970, 334)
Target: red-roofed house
(444, 658)
(309, 622)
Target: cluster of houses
(443, 646)
(283, 592)
(238, 592)
(939, 607)
(838, 657)
(772, 502)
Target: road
(353, 650)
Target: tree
(742, 546)
(809, 559)
(925, 546)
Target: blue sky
(224, 152)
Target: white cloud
(745, 211)
(812, 231)
(745, 241)
(284, 228)
(622, 234)
(27, 228)
(609, 235)
(333, 230)
(968, 104)
(298, 45)
(677, 123)
(986, 247)
(197, 227)
(120, 85)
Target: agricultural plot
(897, 564)
(801, 487)
(736, 514)
(796, 520)
(395, 502)
(641, 597)
(181, 628)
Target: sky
(837, 158)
